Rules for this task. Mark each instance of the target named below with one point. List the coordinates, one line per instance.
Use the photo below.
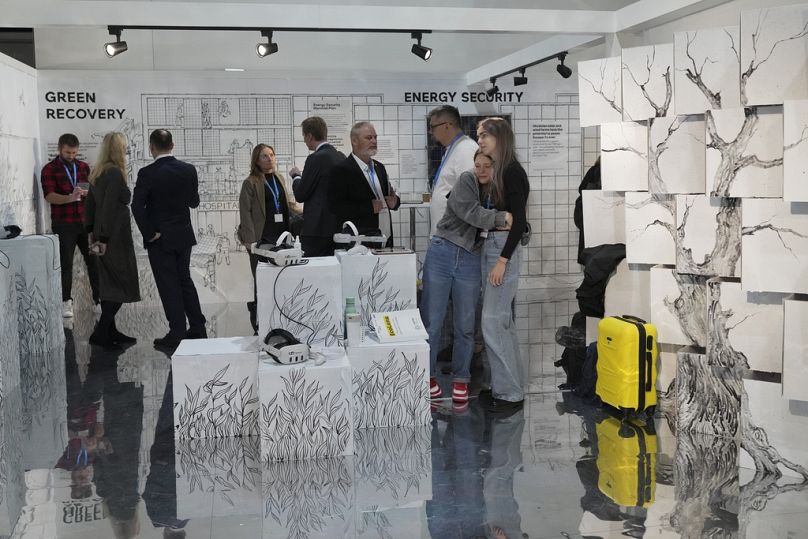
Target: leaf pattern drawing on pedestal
(375, 298)
(304, 421)
(391, 393)
(394, 463)
(306, 313)
(217, 409)
(307, 496)
(32, 315)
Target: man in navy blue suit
(164, 194)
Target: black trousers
(172, 275)
(317, 245)
(70, 237)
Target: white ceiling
(474, 39)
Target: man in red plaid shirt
(64, 182)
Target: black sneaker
(121, 338)
(168, 341)
(501, 406)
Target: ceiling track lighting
(563, 70)
(265, 49)
(114, 48)
(424, 53)
(521, 79)
(492, 91)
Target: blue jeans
(499, 324)
(449, 269)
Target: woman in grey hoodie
(452, 266)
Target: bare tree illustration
(726, 251)
(733, 152)
(606, 86)
(642, 79)
(780, 232)
(754, 440)
(695, 67)
(667, 203)
(656, 184)
(690, 307)
(761, 55)
(708, 398)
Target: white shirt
(320, 145)
(385, 224)
(169, 154)
(459, 160)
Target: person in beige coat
(264, 209)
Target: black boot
(101, 337)
(120, 338)
(251, 306)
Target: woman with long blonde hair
(263, 208)
(501, 256)
(110, 237)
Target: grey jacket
(465, 217)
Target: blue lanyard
(374, 182)
(488, 204)
(74, 179)
(444, 158)
(275, 193)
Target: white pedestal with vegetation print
(306, 410)
(390, 383)
(215, 389)
(379, 283)
(305, 300)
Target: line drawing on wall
(601, 91)
(217, 409)
(676, 151)
(650, 228)
(707, 70)
(304, 421)
(624, 156)
(647, 82)
(391, 393)
(723, 252)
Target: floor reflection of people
(105, 422)
(161, 485)
(503, 441)
(474, 457)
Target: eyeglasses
(432, 127)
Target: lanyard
(444, 158)
(82, 453)
(488, 205)
(73, 179)
(374, 181)
(275, 192)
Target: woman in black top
(502, 254)
(263, 208)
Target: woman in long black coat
(108, 222)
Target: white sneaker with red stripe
(460, 392)
(434, 389)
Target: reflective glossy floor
(557, 468)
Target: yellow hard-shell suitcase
(626, 462)
(627, 357)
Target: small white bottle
(353, 323)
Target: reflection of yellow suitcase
(626, 462)
(627, 352)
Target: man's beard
(371, 152)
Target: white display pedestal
(310, 300)
(390, 383)
(215, 390)
(36, 275)
(379, 282)
(306, 410)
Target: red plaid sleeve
(54, 180)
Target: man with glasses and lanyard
(458, 157)
(64, 184)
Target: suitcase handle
(634, 318)
(648, 365)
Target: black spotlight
(491, 92)
(114, 48)
(425, 53)
(520, 80)
(563, 70)
(265, 49)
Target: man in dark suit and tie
(311, 188)
(360, 190)
(164, 193)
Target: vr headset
(284, 348)
(283, 253)
(354, 236)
